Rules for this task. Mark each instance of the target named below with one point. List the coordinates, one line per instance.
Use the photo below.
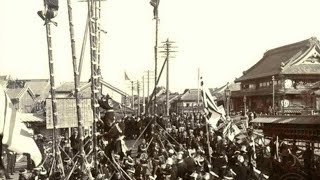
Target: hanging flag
(126, 77)
(15, 134)
(231, 131)
(155, 4)
(211, 110)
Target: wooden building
(284, 78)
(22, 99)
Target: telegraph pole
(138, 92)
(144, 99)
(167, 45)
(132, 99)
(147, 79)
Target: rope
(73, 168)
(149, 143)
(170, 136)
(169, 143)
(117, 166)
(162, 144)
(141, 134)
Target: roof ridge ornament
(313, 40)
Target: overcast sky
(222, 38)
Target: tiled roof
(303, 69)
(273, 59)
(288, 119)
(3, 83)
(192, 95)
(68, 86)
(18, 92)
(31, 117)
(163, 97)
(4, 77)
(232, 87)
(39, 87)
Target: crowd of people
(182, 146)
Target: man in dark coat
(240, 169)
(181, 167)
(75, 142)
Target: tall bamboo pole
(83, 49)
(76, 84)
(156, 65)
(94, 77)
(57, 155)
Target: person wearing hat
(228, 175)
(117, 176)
(23, 174)
(56, 175)
(75, 142)
(11, 161)
(43, 174)
(240, 169)
(50, 12)
(39, 139)
(36, 173)
(181, 166)
(131, 173)
(190, 162)
(142, 148)
(307, 159)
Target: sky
(220, 38)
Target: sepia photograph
(160, 90)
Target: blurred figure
(50, 11)
(75, 142)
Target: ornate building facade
(284, 81)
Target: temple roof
(297, 58)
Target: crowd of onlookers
(181, 146)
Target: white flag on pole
(15, 134)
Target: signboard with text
(67, 113)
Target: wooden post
(132, 96)
(273, 95)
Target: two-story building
(282, 80)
